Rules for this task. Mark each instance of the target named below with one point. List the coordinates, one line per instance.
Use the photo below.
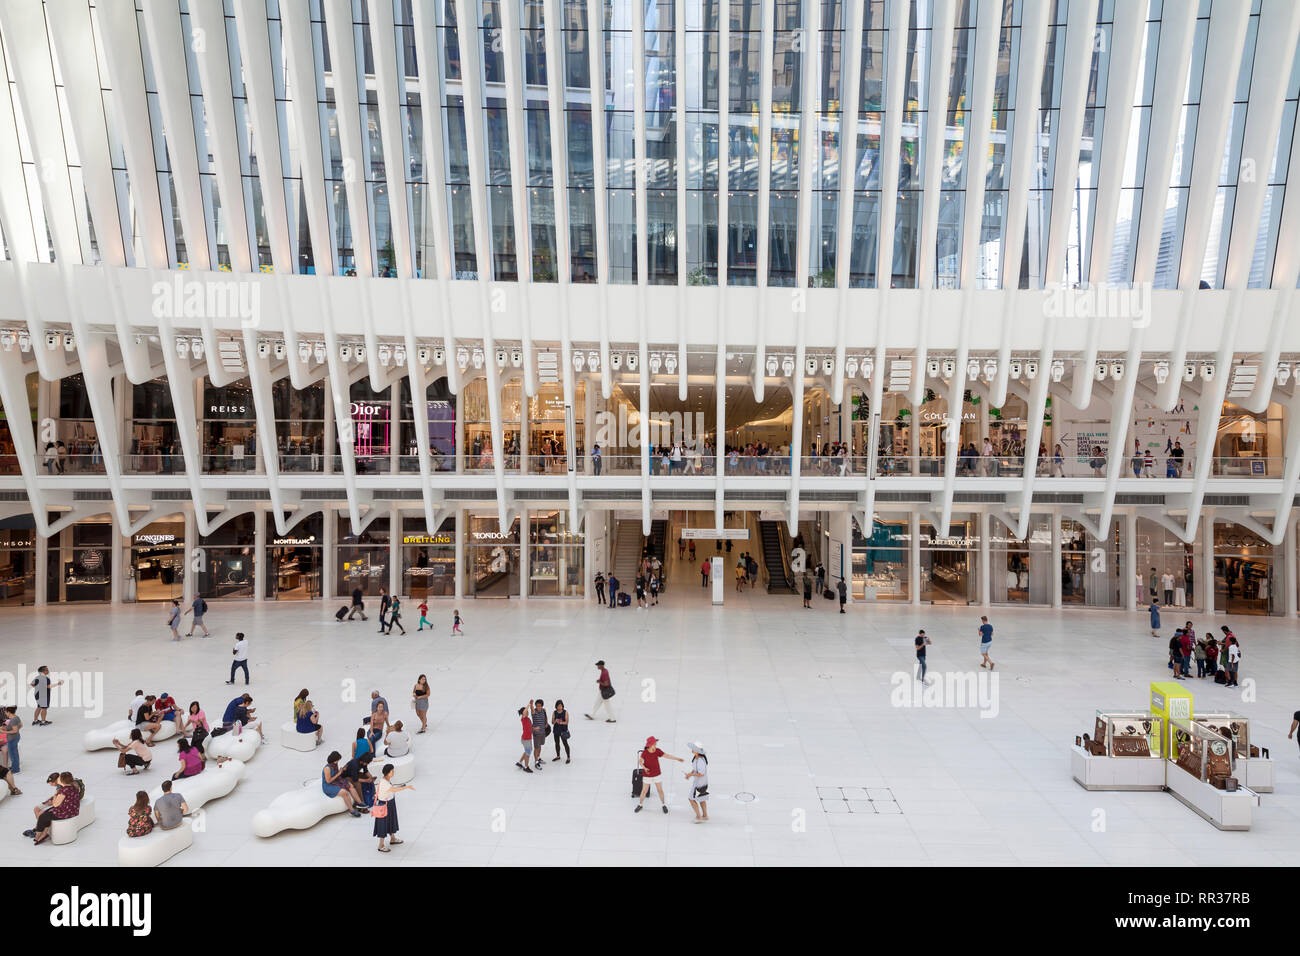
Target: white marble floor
(792, 704)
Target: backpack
(201, 607)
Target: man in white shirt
(241, 658)
(134, 712)
(1167, 585)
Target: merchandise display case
(1255, 767)
(1203, 776)
(1121, 753)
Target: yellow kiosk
(1170, 700)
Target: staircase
(627, 553)
(778, 581)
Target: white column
(329, 446)
(395, 430)
(525, 557)
(461, 531)
(259, 555)
(460, 431)
(1056, 558)
(1206, 583)
(986, 570)
(329, 547)
(844, 532)
(42, 568)
(395, 549)
(524, 442)
(189, 577)
(117, 564)
(589, 526)
(65, 546)
(914, 556)
(1288, 582)
(588, 435)
(1129, 574)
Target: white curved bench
(215, 781)
(4, 792)
(298, 809)
(65, 831)
(403, 767)
(242, 747)
(289, 737)
(155, 847)
(102, 738)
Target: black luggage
(637, 782)
(1220, 677)
(342, 613)
(624, 599)
(828, 594)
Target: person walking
(604, 696)
(174, 620)
(420, 700)
(358, 604)
(384, 812)
(198, 608)
(525, 738)
(648, 761)
(1295, 723)
(704, 573)
(600, 588)
(740, 575)
(240, 654)
(424, 616)
(698, 776)
(843, 590)
(560, 731)
(921, 643)
(41, 684)
(1154, 611)
(395, 616)
(456, 622)
(986, 642)
(807, 589)
(385, 602)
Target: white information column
(716, 575)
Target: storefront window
(547, 432)
(949, 563)
(226, 559)
(18, 560)
(1165, 560)
(1092, 571)
(880, 562)
(441, 410)
(229, 430)
(1021, 571)
(1243, 571)
(894, 443)
(361, 560)
(299, 425)
(478, 425)
(88, 567)
(372, 419)
(157, 562)
(931, 437)
(493, 557)
(294, 561)
(428, 560)
(9, 464)
(555, 557)
(76, 444)
(155, 445)
(1249, 444)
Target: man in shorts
(42, 686)
(526, 738)
(648, 761)
(986, 642)
(540, 725)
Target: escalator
(658, 540)
(779, 579)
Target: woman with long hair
(420, 699)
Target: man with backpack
(198, 609)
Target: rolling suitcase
(342, 613)
(637, 776)
(1221, 677)
(828, 594)
(624, 599)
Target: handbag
(607, 691)
(380, 810)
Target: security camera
(399, 354)
(501, 358)
(345, 352)
(656, 363)
(579, 360)
(1283, 373)
(949, 368)
(478, 358)
(810, 365)
(670, 362)
(1016, 369)
(318, 352)
(1031, 370)
(868, 366)
(1162, 372)
(279, 348)
(973, 369)
(1117, 370)
(361, 352)
(593, 361)
(851, 367)
(990, 369)
(828, 366)
(932, 368)
(462, 358)
(1189, 372)
(616, 361)
(1207, 371)
(69, 343)
(263, 348)
(385, 355)
(787, 366)
(439, 355)
(304, 351)
(517, 358)
(632, 360)
(51, 340)
(182, 347)
(771, 365)
(1100, 371)
(1058, 370)
(196, 346)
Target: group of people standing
(1211, 655)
